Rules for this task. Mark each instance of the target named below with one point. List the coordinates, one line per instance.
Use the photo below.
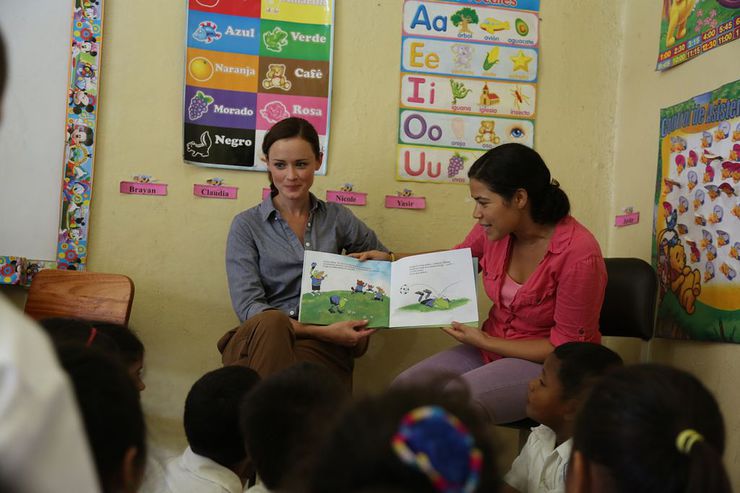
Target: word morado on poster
(249, 65)
(468, 84)
(696, 241)
(689, 28)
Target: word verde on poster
(696, 242)
(690, 28)
(250, 65)
(468, 84)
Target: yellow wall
(597, 128)
(642, 92)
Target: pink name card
(266, 193)
(398, 202)
(627, 219)
(214, 191)
(137, 188)
(348, 198)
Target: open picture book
(426, 290)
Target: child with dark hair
(111, 411)
(66, 330)
(649, 429)
(130, 349)
(411, 439)
(215, 461)
(554, 399)
(286, 419)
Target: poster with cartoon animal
(468, 84)
(689, 28)
(696, 242)
(248, 66)
(428, 290)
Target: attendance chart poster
(696, 243)
(468, 84)
(249, 65)
(690, 28)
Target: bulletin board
(47, 134)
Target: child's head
(286, 419)
(64, 331)
(130, 349)
(211, 416)
(111, 411)
(568, 372)
(648, 428)
(409, 439)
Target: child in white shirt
(553, 400)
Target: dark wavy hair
(510, 167)
(631, 420)
(288, 129)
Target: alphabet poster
(468, 84)
(696, 243)
(249, 65)
(690, 28)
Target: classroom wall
(642, 92)
(597, 129)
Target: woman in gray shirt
(264, 263)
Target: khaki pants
(267, 343)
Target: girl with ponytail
(541, 268)
(648, 428)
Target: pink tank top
(508, 290)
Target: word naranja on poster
(696, 243)
(249, 65)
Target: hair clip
(91, 337)
(439, 445)
(554, 183)
(686, 440)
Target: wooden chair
(629, 307)
(86, 295)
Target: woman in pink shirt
(543, 271)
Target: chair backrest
(85, 295)
(630, 299)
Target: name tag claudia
(214, 191)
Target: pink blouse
(560, 301)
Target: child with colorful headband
(649, 428)
(408, 440)
(553, 400)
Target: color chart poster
(468, 84)
(251, 64)
(696, 244)
(690, 28)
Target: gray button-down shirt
(264, 258)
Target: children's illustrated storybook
(427, 290)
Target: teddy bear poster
(696, 240)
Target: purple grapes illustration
(199, 105)
(455, 165)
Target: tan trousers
(267, 343)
